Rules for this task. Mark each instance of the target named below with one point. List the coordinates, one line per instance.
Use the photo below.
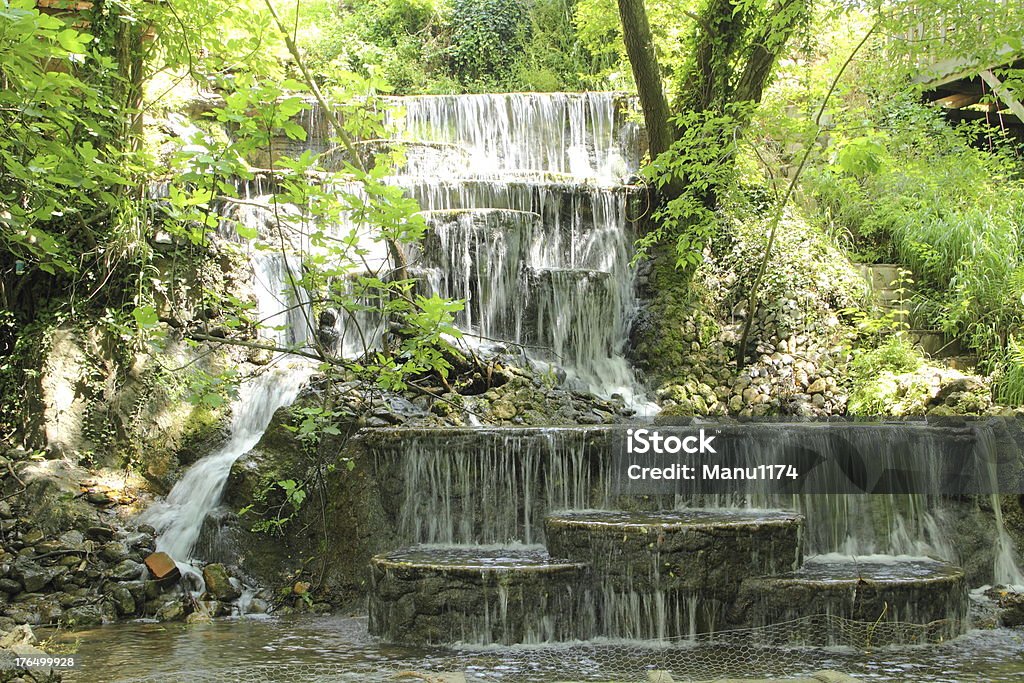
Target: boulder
(162, 567)
(126, 570)
(218, 583)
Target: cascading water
(283, 310)
(509, 485)
(525, 198)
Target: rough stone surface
(473, 595)
(218, 583)
(927, 593)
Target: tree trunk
(636, 33)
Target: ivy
(487, 36)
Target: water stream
(527, 202)
(282, 309)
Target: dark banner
(940, 457)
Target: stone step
(479, 595)
(692, 550)
(895, 599)
(663, 575)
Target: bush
(919, 193)
(486, 37)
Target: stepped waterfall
(527, 211)
(520, 535)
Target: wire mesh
(783, 650)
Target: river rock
(162, 567)
(101, 534)
(114, 551)
(218, 583)
(33, 578)
(86, 615)
(19, 635)
(127, 570)
(817, 386)
(122, 599)
(171, 611)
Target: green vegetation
(454, 46)
(734, 93)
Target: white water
(528, 213)
(282, 308)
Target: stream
(298, 649)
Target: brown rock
(162, 567)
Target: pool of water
(300, 649)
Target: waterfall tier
(697, 551)
(448, 594)
(879, 589)
(659, 576)
(677, 565)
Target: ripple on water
(324, 649)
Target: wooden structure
(972, 92)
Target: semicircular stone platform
(705, 550)
(480, 595)
(673, 573)
(734, 573)
(900, 599)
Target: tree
(735, 45)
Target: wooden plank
(1003, 92)
(958, 101)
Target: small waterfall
(1006, 572)
(496, 485)
(580, 134)
(490, 486)
(283, 310)
(529, 225)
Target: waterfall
(496, 485)
(527, 209)
(1006, 571)
(283, 309)
(579, 134)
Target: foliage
(876, 390)
(61, 173)
(704, 154)
(888, 191)
(283, 500)
(486, 37)
(453, 46)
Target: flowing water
(328, 649)
(528, 208)
(527, 200)
(282, 309)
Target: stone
(503, 410)
(101, 534)
(19, 635)
(218, 583)
(171, 611)
(198, 618)
(817, 386)
(162, 567)
(32, 577)
(122, 599)
(127, 570)
(114, 551)
(32, 537)
(85, 615)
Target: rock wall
(686, 335)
